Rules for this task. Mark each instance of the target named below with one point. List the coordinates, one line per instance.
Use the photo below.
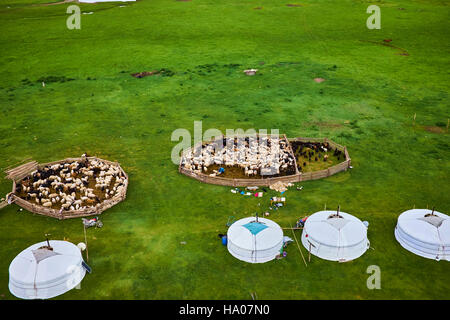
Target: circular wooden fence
(264, 182)
(24, 170)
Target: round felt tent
(335, 236)
(42, 272)
(255, 240)
(425, 233)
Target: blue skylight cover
(255, 227)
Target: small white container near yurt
(425, 233)
(335, 236)
(46, 269)
(255, 240)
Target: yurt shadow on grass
(255, 240)
(335, 236)
(46, 270)
(425, 233)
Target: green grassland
(92, 104)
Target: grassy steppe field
(92, 104)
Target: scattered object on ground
(88, 12)
(301, 222)
(294, 5)
(81, 246)
(287, 240)
(250, 72)
(45, 270)
(335, 236)
(280, 186)
(278, 201)
(319, 80)
(252, 188)
(266, 214)
(387, 40)
(183, 242)
(224, 240)
(255, 240)
(300, 188)
(92, 222)
(424, 232)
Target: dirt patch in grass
(161, 72)
(50, 79)
(294, 5)
(385, 43)
(324, 124)
(434, 129)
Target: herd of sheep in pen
(261, 155)
(76, 185)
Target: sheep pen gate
(265, 182)
(22, 171)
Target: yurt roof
(41, 267)
(244, 232)
(421, 225)
(326, 228)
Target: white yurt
(335, 236)
(425, 233)
(255, 240)
(40, 272)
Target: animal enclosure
(337, 160)
(69, 188)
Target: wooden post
(298, 246)
(309, 255)
(85, 241)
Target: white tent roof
(334, 238)
(255, 241)
(424, 234)
(40, 273)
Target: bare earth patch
(434, 129)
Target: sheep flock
(255, 156)
(75, 185)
